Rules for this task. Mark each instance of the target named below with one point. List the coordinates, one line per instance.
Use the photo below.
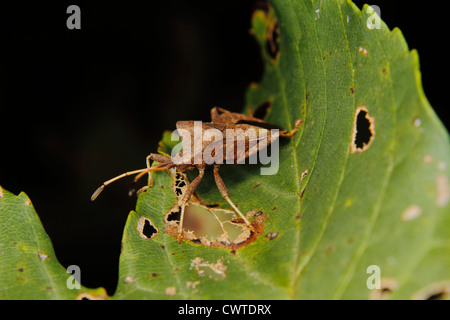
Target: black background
(80, 106)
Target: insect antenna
(140, 173)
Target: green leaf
(28, 265)
(345, 206)
(333, 210)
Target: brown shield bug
(252, 135)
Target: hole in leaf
(262, 110)
(205, 224)
(146, 228)
(363, 133)
(434, 291)
(363, 130)
(174, 215)
(178, 192)
(273, 40)
(437, 296)
(211, 227)
(181, 184)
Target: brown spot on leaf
(215, 271)
(329, 249)
(363, 51)
(171, 291)
(302, 194)
(313, 192)
(272, 235)
(254, 85)
(192, 284)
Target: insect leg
(288, 134)
(185, 199)
(155, 157)
(160, 167)
(223, 190)
(166, 164)
(221, 225)
(150, 178)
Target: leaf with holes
(28, 265)
(359, 205)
